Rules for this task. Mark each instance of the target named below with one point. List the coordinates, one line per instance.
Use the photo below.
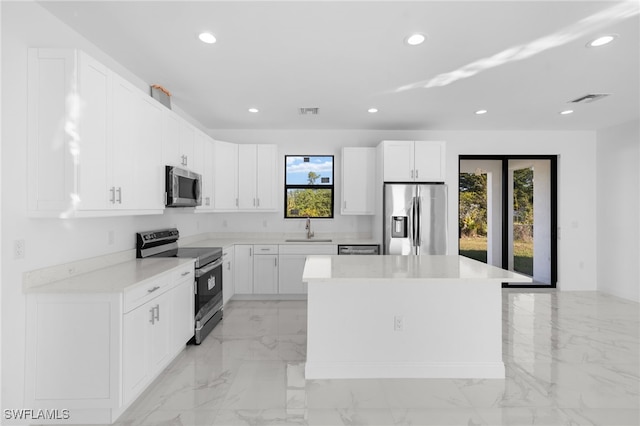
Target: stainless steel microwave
(183, 188)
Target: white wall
(618, 210)
(54, 241)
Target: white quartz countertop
(282, 240)
(405, 268)
(112, 279)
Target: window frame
(302, 186)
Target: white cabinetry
(228, 287)
(413, 161)
(225, 160)
(94, 353)
(265, 269)
(257, 177)
(178, 144)
(358, 181)
(203, 164)
(85, 125)
(243, 269)
(292, 259)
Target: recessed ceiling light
(601, 41)
(207, 38)
(254, 110)
(481, 111)
(566, 112)
(372, 110)
(415, 39)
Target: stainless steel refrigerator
(415, 219)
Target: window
(308, 186)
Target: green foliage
(309, 202)
(473, 204)
(523, 196)
(312, 177)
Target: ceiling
(522, 61)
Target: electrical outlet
(111, 237)
(264, 224)
(18, 249)
(398, 323)
(224, 223)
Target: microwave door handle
(174, 188)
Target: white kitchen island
(404, 317)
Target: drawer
(259, 249)
(183, 273)
(140, 294)
(328, 249)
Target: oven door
(208, 289)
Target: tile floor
(571, 358)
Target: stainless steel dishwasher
(359, 249)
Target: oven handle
(208, 268)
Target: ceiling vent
(309, 111)
(591, 97)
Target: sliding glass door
(507, 214)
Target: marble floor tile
(571, 358)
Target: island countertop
(410, 268)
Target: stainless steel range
(208, 282)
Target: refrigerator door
(399, 227)
(431, 219)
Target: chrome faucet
(308, 228)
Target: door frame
(505, 210)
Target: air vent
(592, 97)
(309, 111)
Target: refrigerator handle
(418, 220)
(414, 219)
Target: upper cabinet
(358, 181)
(89, 136)
(413, 161)
(203, 164)
(178, 144)
(245, 177)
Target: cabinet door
(148, 190)
(205, 165)
(182, 298)
(243, 271)
(429, 161)
(161, 330)
(93, 130)
(225, 160)
(171, 139)
(358, 180)
(398, 161)
(136, 372)
(290, 274)
(123, 155)
(266, 177)
(227, 275)
(265, 274)
(186, 144)
(247, 177)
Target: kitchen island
(404, 317)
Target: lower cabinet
(228, 282)
(243, 269)
(265, 269)
(94, 353)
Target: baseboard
(404, 370)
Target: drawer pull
(184, 274)
(151, 290)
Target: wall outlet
(398, 323)
(224, 223)
(18, 249)
(264, 224)
(111, 237)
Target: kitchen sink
(305, 240)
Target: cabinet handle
(185, 273)
(228, 266)
(345, 205)
(207, 201)
(152, 320)
(250, 252)
(236, 202)
(112, 199)
(157, 308)
(151, 290)
(258, 202)
(119, 191)
(275, 262)
(417, 172)
(412, 174)
(254, 202)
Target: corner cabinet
(95, 353)
(413, 161)
(358, 181)
(89, 134)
